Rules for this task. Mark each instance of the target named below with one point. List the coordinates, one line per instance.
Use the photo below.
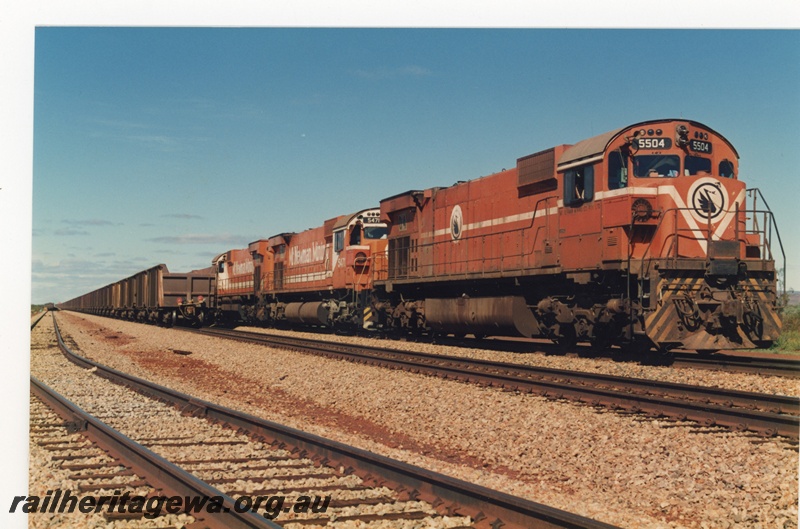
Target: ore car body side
(154, 295)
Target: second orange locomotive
(322, 276)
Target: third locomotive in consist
(642, 237)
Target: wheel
(637, 349)
(566, 341)
(659, 356)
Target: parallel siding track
(733, 362)
(767, 365)
(738, 410)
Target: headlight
(642, 209)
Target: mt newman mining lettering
(312, 254)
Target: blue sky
(174, 144)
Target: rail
(788, 366)
(38, 319)
(707, 405)
(158, 471)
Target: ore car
(154, 295)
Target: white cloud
(200, 238)
(182, 216)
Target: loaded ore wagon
(154, 295)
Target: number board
(653, 143)
(700, 146)
(371, 220)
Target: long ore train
(642, 237)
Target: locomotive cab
(359, 242)
(661, 202)
(678, 180)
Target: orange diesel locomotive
(638, 237)
(321, 276)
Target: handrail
(739, 233)
(764, 236)
(755, 193)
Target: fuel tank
(309, 313)
(504, 316)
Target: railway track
(771, 365)
(766, 364)
(106, 463)
(762, 365)
(741, 411)
(381, 488)
(38, 319)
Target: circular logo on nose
(456, 223)
(708, 199)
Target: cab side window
(726, 169)
(578, 185)
(617, 170)
(355, 234)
